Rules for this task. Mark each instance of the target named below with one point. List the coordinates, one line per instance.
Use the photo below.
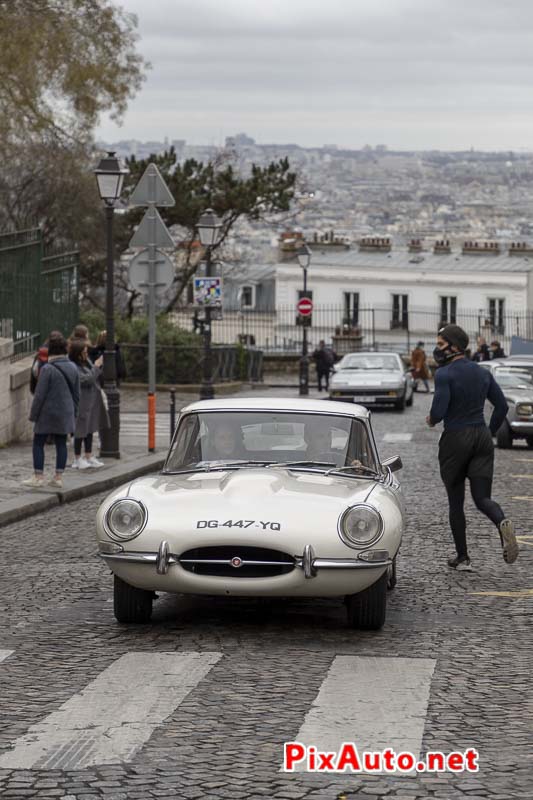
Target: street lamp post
(209, 227)
(304, 259)
(110, 178)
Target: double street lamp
(304, 259)
(110, 178)
(209, 228)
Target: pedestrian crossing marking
(524, 539)
(522, 476)
(529, 460)
(374, 702)
(5, 654)
(522, 497)
(114, 715)
(397, 437)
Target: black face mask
(443, 356)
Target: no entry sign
(305, 307)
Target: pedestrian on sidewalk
(92, 414)
(53, 410)
(482, 353)
(324, 358)
(99, 349)
(419, 367)
(466, 448)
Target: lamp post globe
(209, 228)
(110, 176)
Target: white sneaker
(82, 463)
(93, 462)
(34, 482)
(56, 482)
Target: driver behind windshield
(318, 441)
(224, 442)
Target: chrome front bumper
(308, 562)
(523, 427)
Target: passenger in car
(226, 442)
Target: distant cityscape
(379, 192)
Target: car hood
(518, 395)
(367, 377)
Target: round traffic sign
(305, 307)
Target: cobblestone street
(224, 738)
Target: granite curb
(31, 503)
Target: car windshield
(367, 362)
(514, 378)
(211, 440)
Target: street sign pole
(152, 191)
(151, 316)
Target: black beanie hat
(455, 335)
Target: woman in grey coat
(92, 415)
(54, 409)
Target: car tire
(400, 404)
(391, 575)
(131, 604)
(504, 436)
(529, 441)
(409, 402)
(366, 610)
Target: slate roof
(422, 262)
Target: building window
(497, 314)
(247, 294)
(400, 314)
(448, 310)
(351, 309)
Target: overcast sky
(412, 74)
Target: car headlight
(125, 519)
(360, 526)
(524, 409)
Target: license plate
(364, 398)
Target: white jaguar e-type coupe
(260, 497)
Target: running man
(466, 449)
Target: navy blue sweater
(461, 389)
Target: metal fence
(377, 328)
(38, 292)
(184, 365)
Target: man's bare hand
(429, 422)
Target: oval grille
(236, 561)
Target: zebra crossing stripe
(5, 654)
(109, 720)
(373, 702)
(397, 437)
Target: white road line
(373, 702)
(397, 437)
(109, 720)
(5, 654)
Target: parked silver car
(515, 376)
(372, 379)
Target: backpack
(38, 363)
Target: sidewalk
(18, 502)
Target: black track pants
(468, 453)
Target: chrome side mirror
(394, 463)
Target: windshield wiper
(302, 464)
(357, 467)
(211, 466)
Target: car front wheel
(400, 404)
(504, 437)
(131, 604)
(367, 609)
(391, 575)
(529, 441)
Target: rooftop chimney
(415, 246)
(376, 244)
(520, 249)
(442, 246)
(481, 248)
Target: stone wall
(15, 397)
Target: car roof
(372, 353)
(512, 361)
(280, 404)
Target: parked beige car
(515, 378)
(260, 497)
